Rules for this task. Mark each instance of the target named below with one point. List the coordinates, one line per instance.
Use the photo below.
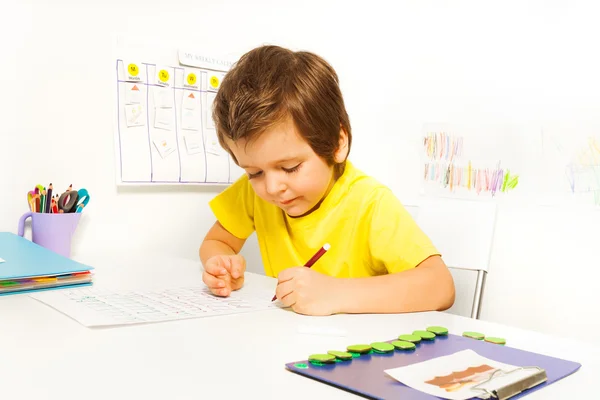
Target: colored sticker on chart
(132, 71)
(191, 79)
(163, 77)
(214, 81)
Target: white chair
(463, 232)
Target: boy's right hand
(224, 274)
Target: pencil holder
(52, 231)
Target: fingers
(217, 286)
(216, 266)
(288, 274)
(237, 266)
(285, 293)
(212, 281)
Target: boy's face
(284, 170)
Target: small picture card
(163, 98)
(134, 115)
(191, 100)
(133, 93)
(193, 143)
(164, 146)
(163, 118)
(212, 144)
(191, 119)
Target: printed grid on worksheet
(111, 307)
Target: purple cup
(52, 231)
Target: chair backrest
(462, 230)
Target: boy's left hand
(307, 291)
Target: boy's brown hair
(269, 84)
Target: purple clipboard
(365, 375)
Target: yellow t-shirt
(369, 230)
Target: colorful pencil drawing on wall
(446, 166)
(583, 171)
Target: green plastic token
(359, 348)
(410, 338)
(382, 347)
(403, 345)
(495, 340)
(474, 335)
(438, 330)
(425, 335)
(322, 358)
(301, 365)
(342, 355)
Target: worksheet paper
(459, 376)
(97, 307)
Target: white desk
(46, 355)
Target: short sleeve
(395, 240)
(234, 208)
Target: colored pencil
(49, 199)
(43, 201)
(313, 260)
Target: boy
(281, 116)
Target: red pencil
(313, 260)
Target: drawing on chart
(447, 167)
(572, 164)
(583, 172)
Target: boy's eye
(254, 175)
(293, 169)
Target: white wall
(400, 63)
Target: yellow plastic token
(403, 345)
(163, 75)
(322, 358)
(359, 348)
(214, 81)
(474, 335)
(410, 338)
(382, 347)
(496, 340)
(133, 69)
(191, 79)
(342, 355)
(425, 335)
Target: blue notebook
(26, 266)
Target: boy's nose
(274, 186)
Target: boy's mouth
(286, 202)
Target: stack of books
(26, 266)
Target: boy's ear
(342, 151)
